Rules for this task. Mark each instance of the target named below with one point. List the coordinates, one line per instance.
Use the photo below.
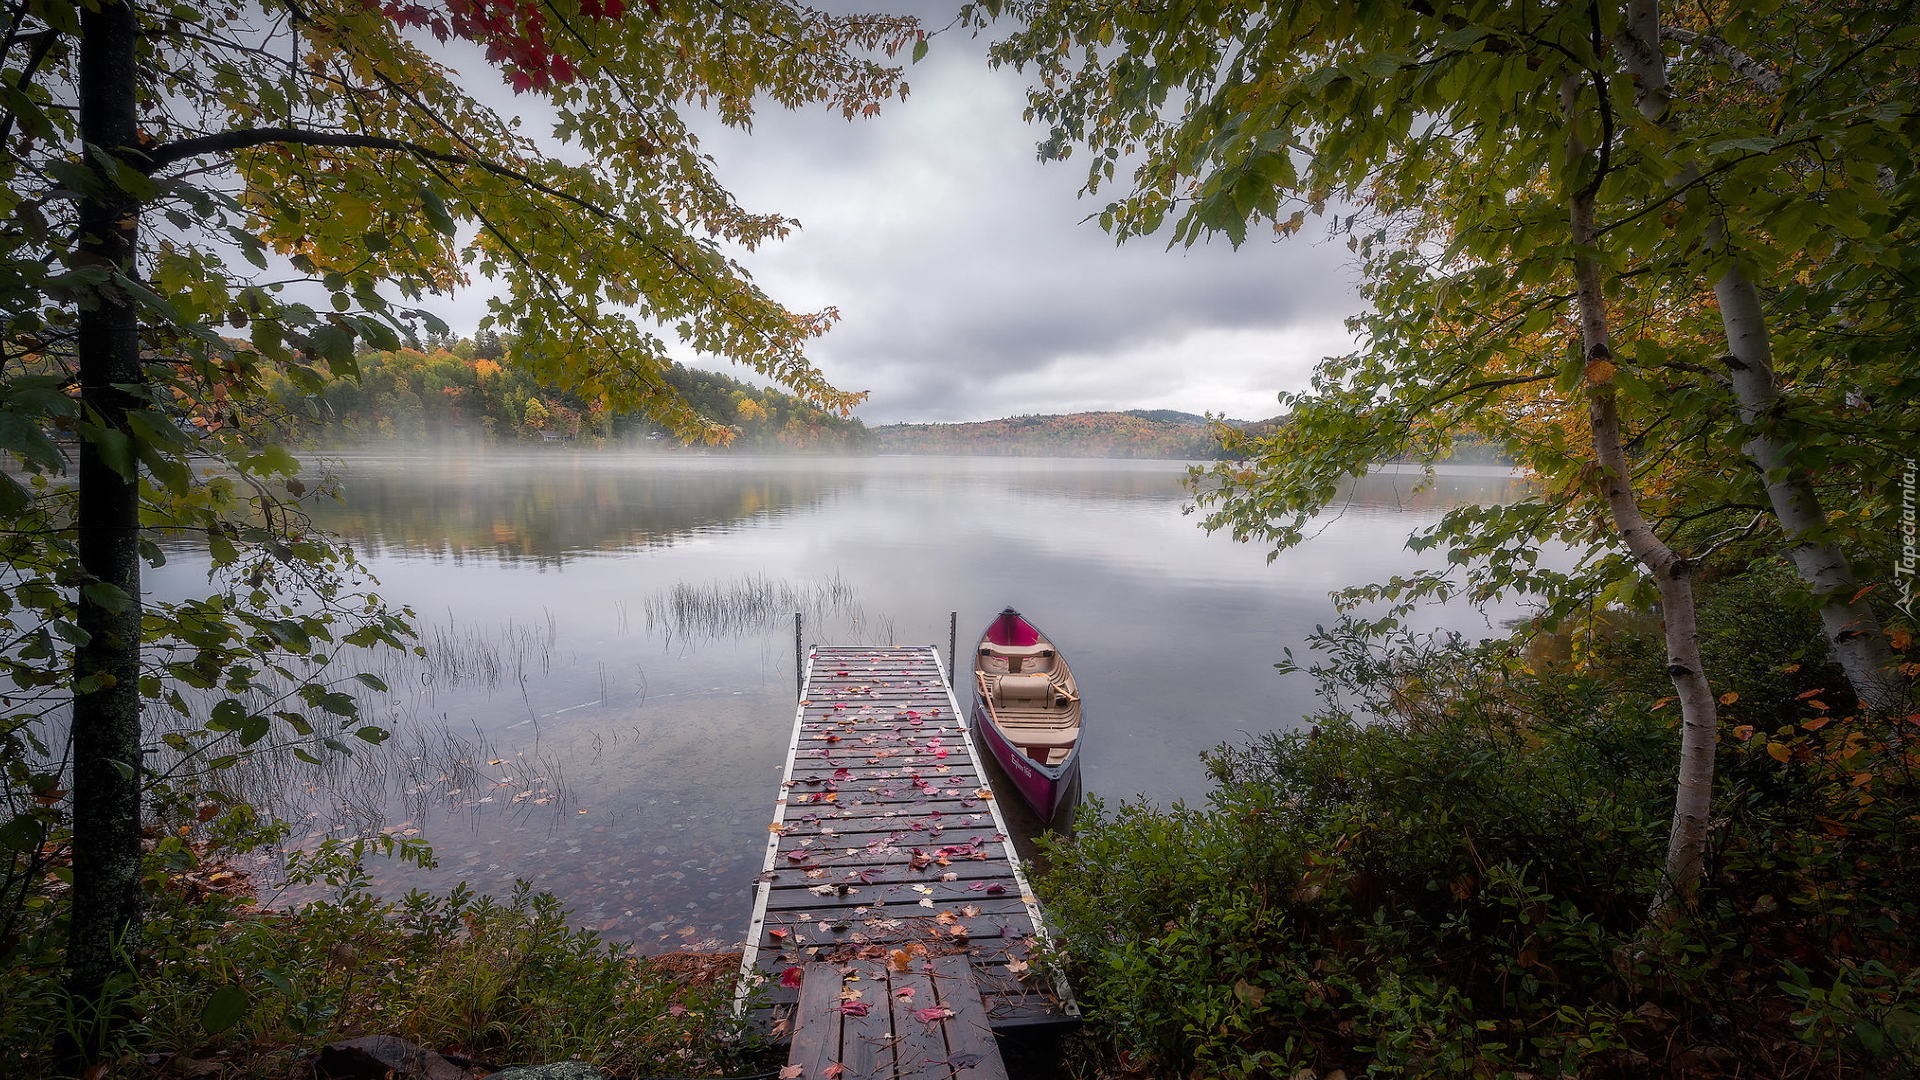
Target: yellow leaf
(1779, 751)
(1729, 698)
(1600, 372)
(1743, 732)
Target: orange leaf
(833, 1071)
(1816, 723)
(1779, 751)
(1862, 594)
(1729, 698)
(1663, 703)
(1821, 705)
(1599, 372)
(1790, 669)
(1900, 639)
(1743, 732)
(1804, 695)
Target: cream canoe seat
(1017, 658)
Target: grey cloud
(961, 264)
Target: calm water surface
(579, 730)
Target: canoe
(1026, 709)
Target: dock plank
(886, 837)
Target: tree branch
(172, 153)
(1755, 72)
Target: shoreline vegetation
(469, 390)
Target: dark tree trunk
(106, 700)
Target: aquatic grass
(743, 606)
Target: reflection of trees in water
(549, 505)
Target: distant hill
(1140, 433)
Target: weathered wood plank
(969, 1032)
(816, 1025)
(921, 1049)
(866, 1041)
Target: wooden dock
(925, 1023)
(887, 852)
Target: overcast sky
(970, 288)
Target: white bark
(1852, 630)
(1672, 574)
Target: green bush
(1448, 875)
(501, 980)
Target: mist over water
(609, 684)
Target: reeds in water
(751, 604)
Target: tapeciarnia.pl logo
(1907, 570)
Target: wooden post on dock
(953, 645)
(799, 662)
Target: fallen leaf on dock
(791, 977)
(932, 1014)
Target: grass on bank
(498, 980)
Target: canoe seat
(1027, 738)
(1035, 696)
(1023, 690)
(1016, 658)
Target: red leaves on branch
(514, 32)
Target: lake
(610, 684)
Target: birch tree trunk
(1852, 629)
(1672, 574)
(107, 766)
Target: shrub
(1448, 875)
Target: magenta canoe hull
(1039, 786)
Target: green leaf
(223, 1009)
(228, 715)
(919, 50)
(116, 450)
(1758, 145)
(107, 595)
(371, 681)
(374, 735)
(253, 729)
(436, 210)
(22, 833)
(23, 436)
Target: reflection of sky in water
(673, 749)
